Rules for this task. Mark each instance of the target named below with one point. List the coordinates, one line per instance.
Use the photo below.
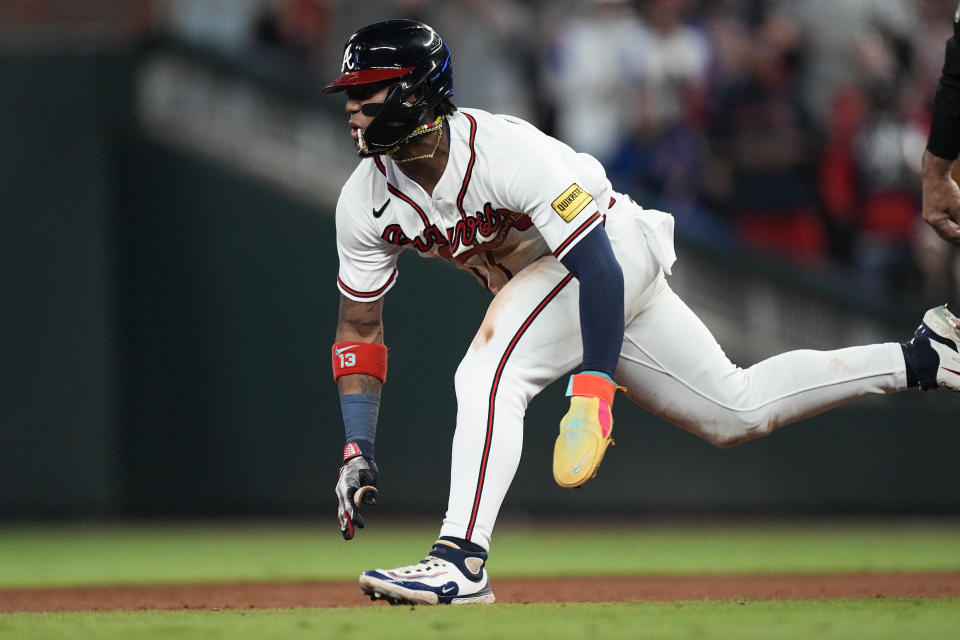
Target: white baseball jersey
(509, 195)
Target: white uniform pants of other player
(670, 364)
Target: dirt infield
(517, 590)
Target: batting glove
(357, 485)
(585, 430)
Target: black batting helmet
(405, 51)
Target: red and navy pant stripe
(494, 388)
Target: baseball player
(577, 272)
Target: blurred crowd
(793, 127)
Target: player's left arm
(593, 263)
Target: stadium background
(168, 172)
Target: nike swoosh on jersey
(379, 212)
(342, 349)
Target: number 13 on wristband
(359, 357)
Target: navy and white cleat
(940, 330)
(448, 575)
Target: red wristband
(359, 357)
(587, 385)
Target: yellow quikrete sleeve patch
(571, 202)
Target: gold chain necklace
(424, 128)
(425, 156)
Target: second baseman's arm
(941, 197)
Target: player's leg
(529, 337)
(673, 366)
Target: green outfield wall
(166, 327)
(60, 119)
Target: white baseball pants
(670, 364)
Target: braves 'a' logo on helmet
(349, 59)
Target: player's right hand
(356, 486)
(941, 198)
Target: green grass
(742, 620)
(172, 553)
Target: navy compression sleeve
(593, 264)
(360, 412)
